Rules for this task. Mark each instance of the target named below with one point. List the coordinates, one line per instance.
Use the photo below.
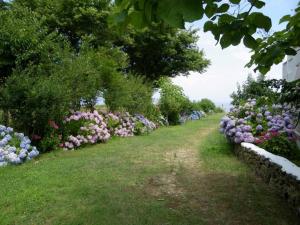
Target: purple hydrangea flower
(259, 127)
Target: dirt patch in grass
(185, 157)
(164, 185)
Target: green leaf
(257, 3)
(209, 25)
(210, 9)
(148, 11)
(260, 20)
(235, 1)
(223, 8)
(250, 42)
(225, 41)
(290, 51)
(175, 12)
(225, 18)
(236, 38)
(120, 17)
(285, 18)
(191, 10)
(263, 69)
(136, 18)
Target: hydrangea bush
(143, 125)
(91, 127)
(196, 115)
(121, 125)
(261, 124)
(84, 128)
(15, 148)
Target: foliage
(273, 49)
(15, 148)
(205, 105)
(51, 139)
(290, 93)
(128, 93)
(33, 101)
(157, 52)
(255, 123)
(42, 77)
(218, 110)
(167, 52)
(229, 21)
(24, 42)
(268, 91)
(281, 145)
(74, 19)
(172, 101)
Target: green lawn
(176, 175)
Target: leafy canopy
(229, 21)
(75, 19)
(154, 53)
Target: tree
(154, 52)
(75, 19)
(25, 41)
(229, 21)
(172, 101)
(42, 77)
(205, 104)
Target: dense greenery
(272, 91)
(229, 21)
(205, 105)
(74, 19)
(57, 56)
(173, 103)
(158, 52)
(176, 107)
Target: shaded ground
(177, 175)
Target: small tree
(172, 101)
(157, 52)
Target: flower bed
(79, 129)
(83, 128)
(271, 127)
(15, 148)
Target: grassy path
(176, 176)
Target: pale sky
(228, 66)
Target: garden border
(275, 170)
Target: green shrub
(205, 105)
(281, 145)
(139, 128)
(219, 110)
(131, 93)
(172, 101)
